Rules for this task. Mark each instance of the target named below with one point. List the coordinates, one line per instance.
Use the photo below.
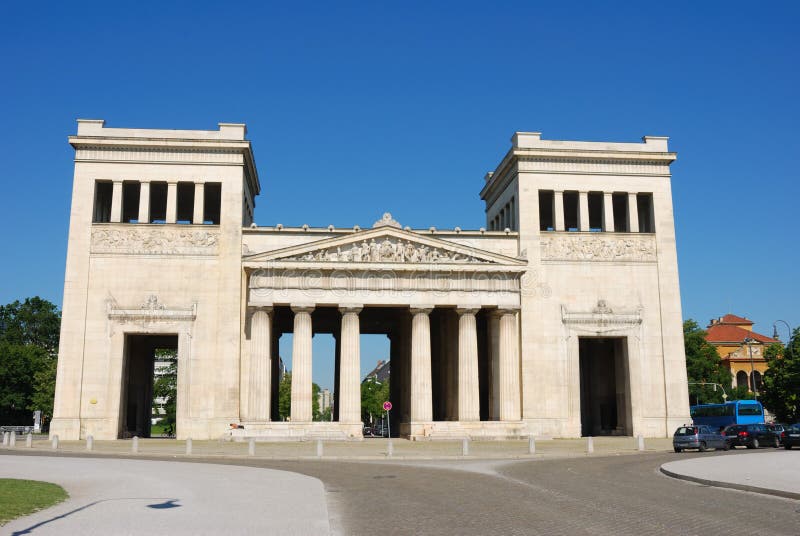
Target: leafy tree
(373, 395)
(29, 334)
(165, 389)
(780, 392)
(703, 365)
(285, 399)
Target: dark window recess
(645, 207)
(102, 201)
(619, 201)
(571, 211)
(212, 200)
(158, 202)
(130, 201)
(595, 211)
(185, 202)
(546, 217)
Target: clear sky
(356, 109)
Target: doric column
(116, 202)
(509, 366)
(494, 366)
(349, 399)
(258, 405)
(301, 364)
(199, 203)
(144, 202)
(421, 398)
(583, 211)
(468, 394)
(558, 208)
(608, 212)
(172, 201)
(633, 213)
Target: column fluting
(509, 367)
(258, 405)
(468, 392)
(301, 365)
(421, 397)
(349, 399)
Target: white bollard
(251, 447)
(135, 445)
(54, 442)
(390, 449)
(589, 445)
(29, 440)
(5, 439)
(89, 442)
(319, 448)
(12, 441)
(188, 446)
(531, 445)
(640, 442)
(465, 446)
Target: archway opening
(605, 387)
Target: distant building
(324, 400)
(381, 372)
(728, 333)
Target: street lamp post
(775, 330)
(749, 342)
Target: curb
(732, 485)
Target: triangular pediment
(384, 245)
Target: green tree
(285, 399)
(780, 392)
(373, 395)
(703, 365)
(29, 334)
(165, 389)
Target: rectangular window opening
(546, 210)
(185, 202)
(619, 200)
(571, 211)
(212, 199)
(644, 204)
(158, 202)
(103, 191)
(595, 211)
(130, 201)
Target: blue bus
(722, 415)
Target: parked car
(751, 436)
(698, 437)
(790, 437)
(778, 429)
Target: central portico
(448, 308)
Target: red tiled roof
(733, 319)
(719, 333)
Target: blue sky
(356, 109)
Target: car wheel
(677, 449)
(756, 444)
(702, 446)
(787, 447)
(726, 446)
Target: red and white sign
(387, 406)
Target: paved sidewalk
(770, 472)
(132, 497)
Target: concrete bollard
(319, 448)
(12, 441)
(29, 440)
(640, 442)
(188, 446)
(89, 442)
(589, 445)
(465, 446)
(531, 445)
(5, 439)
(135, 445)
(54, 442)
(390, 449)
(251, 447)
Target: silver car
(698, 437)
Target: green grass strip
(23, 497)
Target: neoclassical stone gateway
(561, 318)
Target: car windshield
(686, 430)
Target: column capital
(256, 308)
(467, 310)
(172, 181)
(421, 309)
(302, 307)
(117, 181)
(507, 310)
(353, 308)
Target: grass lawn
(22, 497)
(158, 430)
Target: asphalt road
(615, 495)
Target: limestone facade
(560, 318)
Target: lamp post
(775, 330)
(749, 342)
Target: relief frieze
(131, 239)
(598, 247)
(389, 249)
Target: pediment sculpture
(386, 249)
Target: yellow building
(741, 348)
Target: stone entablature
(601, 319)
(151, 310)
(606, 247)
(154, 239)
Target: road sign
(387, 406)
